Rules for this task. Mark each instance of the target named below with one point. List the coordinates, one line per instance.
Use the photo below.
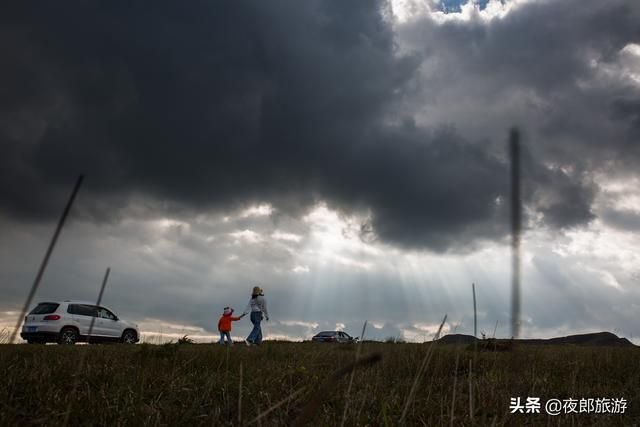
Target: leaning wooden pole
(516, 218)
(45, 261)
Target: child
(224, 325)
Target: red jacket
(224, 324)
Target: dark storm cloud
(563, 198)
(627, 111)
(199, 104)
(622, 219)
(209, 105)
(555, 68)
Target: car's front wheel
(129, 337)
(68, 336)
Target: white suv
(68, 322)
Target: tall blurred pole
(45, 261)
(475, 315)
(516, 216)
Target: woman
(257, 306)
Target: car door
(82, 315)
(109, 325)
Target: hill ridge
(603, 338)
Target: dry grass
(201, 384)
(5, 336)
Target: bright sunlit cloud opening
(409, 10)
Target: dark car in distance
(334, 336)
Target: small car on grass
(334, 337)
(68, 322)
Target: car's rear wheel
(68, 336)
(129, 337)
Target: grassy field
(214, 385)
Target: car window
(105, 314)
(45, 308)
(82, 310)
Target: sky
(348, 157)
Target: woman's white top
(257, 304)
